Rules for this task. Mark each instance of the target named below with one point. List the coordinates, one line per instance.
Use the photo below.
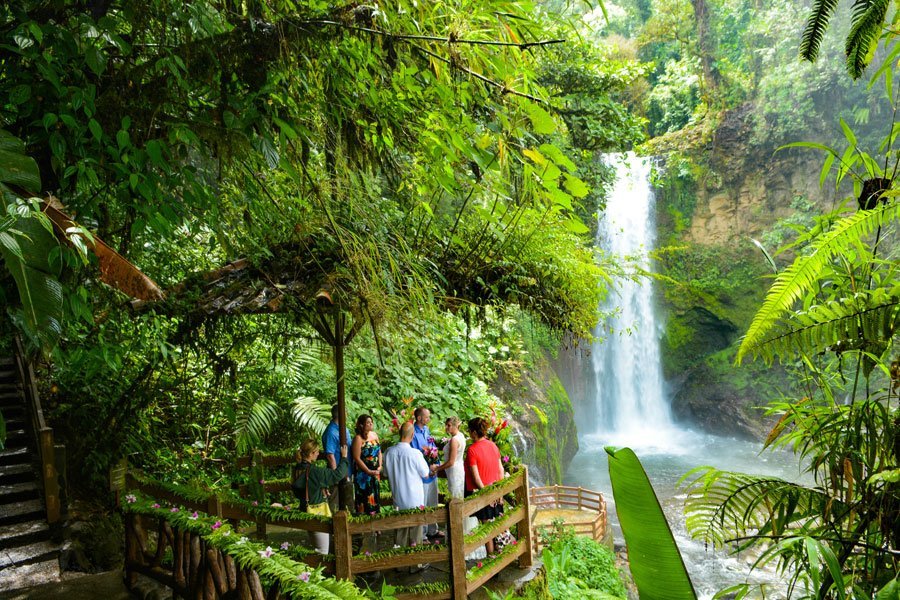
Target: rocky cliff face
(543, 422)
(745, 194)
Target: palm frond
(865, 322)
(722, 505)
(255, 422)
(868, 17)
(822, 10)
(799, 278)
(311, 412)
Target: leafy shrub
(579, 567)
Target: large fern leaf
(311, 412)
(865, 322)
(254, 422)
(868, 17)
(803, 274)
(822, 10)
(722, 506)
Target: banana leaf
(656, 563)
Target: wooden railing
(52, 456)
(563, 497)
(345, 564)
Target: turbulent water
(666, 457)
(630, 405)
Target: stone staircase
(28, 556)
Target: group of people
(412, 479)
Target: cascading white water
(631, 405)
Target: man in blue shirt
(331, 449)
(422, 439)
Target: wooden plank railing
(564, 497)
(343, 527)
(51, 455)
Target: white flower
(130, 499)
(243, 540)
(267, 552)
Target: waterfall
(629, 402)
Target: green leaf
(21, 170)
(889, 592)
(95, 128)
(541, 120)
(656, 564)
(576, 187)
(39, 289)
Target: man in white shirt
(405, 467)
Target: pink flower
(285, 545)
(262, 482)
(514, 542)
(216, 525)
(194, 515)
(304, 576)
(156, 505)
(413, 544)
(174, 509)
(506, 459)
(368, 553)
(421, 507)
(130, 499)
(255, 503)
(268, 552)
(479, 564)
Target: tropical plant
(837, 304)
(867, 23)
(656, 564)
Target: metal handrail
(47, 449)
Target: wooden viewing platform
(583, 510)
(199, 570)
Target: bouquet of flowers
(431, 453)
(404, 415)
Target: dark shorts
(491, 511)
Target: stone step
(16, 492)
(10, 474)
(22, 534)
(17, 577)
(15, 456)
(11, 397)
(16, 437)
(24, 555)
(14, 423)
(11, 411)
(20, 512)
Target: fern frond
(799, 278)
(311, 412)
(868, 17)
(822, 10)
(865, 322)
(255, 423)
(721, 505)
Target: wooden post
(343, 548)
(524, 529)
(214, 506)
(456, 531)
(130, 551)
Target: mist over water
(627, 401)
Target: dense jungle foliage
(418, 161)
(432, 169)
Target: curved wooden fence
(557, 497)
(199, 571)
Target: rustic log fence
(564, 497)
(52, 455)
(197, 570)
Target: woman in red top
(483, 467)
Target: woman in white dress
(456, 473)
